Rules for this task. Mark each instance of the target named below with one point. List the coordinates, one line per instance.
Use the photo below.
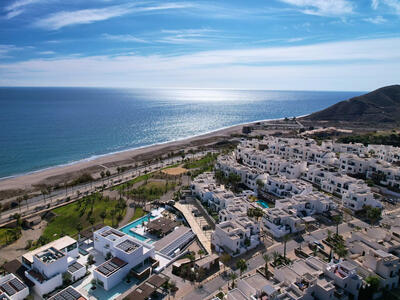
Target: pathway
(195, 227)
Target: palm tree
(286, 238)
(241, 265)
(26, 198)
(225, 258)
(103, 215)
(43, 191)
(200, 252)
(92, 221)
(275, 256)
(233, 276)
(1, 208)
(79, 228)
(267, 259)
(112, 213)
(337, 219)
(19, 200)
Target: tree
(275, 256)
(373, 214)
(241, 265)
(90, 259)
(26, 198)
(19, 200)
(340, 249)
(286, 238)
(233, 276)
(260, 185)
(234, 181)
(92, 221)
(337, 219)
(267, 259)
(103, 215)
(200, 252)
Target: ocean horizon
(43, 128)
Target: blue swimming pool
(127, 228)
(138, 236)
(262, 203)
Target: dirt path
(17, 249)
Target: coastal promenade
(39, 203)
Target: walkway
(185, 210)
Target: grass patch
(152, 190)
(139, 212)
(382, 138)
(9, 235)
(129, 183)
(82, 212)
(205, 162)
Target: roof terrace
(49, 255)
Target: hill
(379, 106)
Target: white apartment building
(282, 187)
(126, 252)
(47, 264)
(353, 148)
(236, 236)
(358, 196)
(353, 164)
(280, 222)
(237, 208)
(387, 153)
(307, 205)
(11, 288)
(377, 238)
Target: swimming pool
(127, 228)
(262, 203)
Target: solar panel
(103, 270)
(8, 289)
(18, 285)
(74, 293)
(113, 265)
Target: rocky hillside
(379, 106)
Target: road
(257, 260)
(38, 203)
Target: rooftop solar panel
(8, 289)
(18, 285)
(73, 293)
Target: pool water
(127, 228)
(262, 203)
(101, 294)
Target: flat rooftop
(49, 255)
(12, 286)
(111, 266)
(57, 244)
(75, 267)
(68, 293)
(128, 246)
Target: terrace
(111, 266)
(128, 246)
(49, 255)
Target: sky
(235, 44)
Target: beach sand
(65, 173)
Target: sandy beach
(61, 174)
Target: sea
(47, 127)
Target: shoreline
(95, 164)
(27, 180)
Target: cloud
(86, 16)
(187, 36)
(123, 38)
(375, 4)
(393, 4)
(6, 49)
(18, 7)
(46, 52)
(353, 65)
(331, 8)
(376, 20)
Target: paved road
(257, 260)
(39, 202)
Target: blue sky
(260, 44)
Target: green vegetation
(152, 190)
(84, 178)
(205, 164)
(388, 138)
(129, 183)
(86, 212)
(138, 214)
(9, 235)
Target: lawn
(133, 181)
(81, 212)
(152, 190)
(205, 162)
(139, 212)
(9, 235)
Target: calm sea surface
(45, 127)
